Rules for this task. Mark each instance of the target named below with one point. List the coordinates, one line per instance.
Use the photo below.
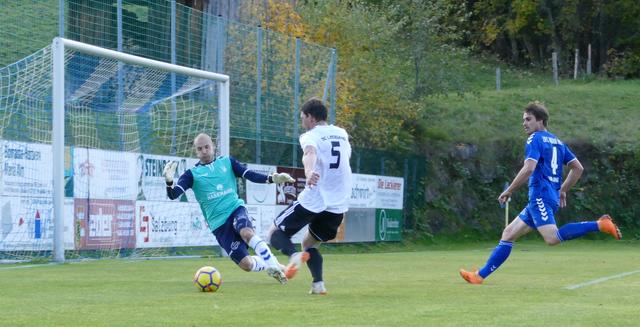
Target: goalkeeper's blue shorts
(228, 235)
(538, 213)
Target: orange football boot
(471, 277)
(297, 260)
(606, 225)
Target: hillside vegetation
(601, 112)
(475, 143)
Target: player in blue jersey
(213, 182)
(545, 156)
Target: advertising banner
(105, 174)
(26, 169)
(26, 224)
(388, 225)
(359, 225)
(105, 224)
(264, 194)
(262, 218)
(389, 192)
(171, 224)
(287, 193)
(363, 191)
(151, 182)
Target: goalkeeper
(213, 182)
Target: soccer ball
(207, 279)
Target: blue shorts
(538, 213)
(228, 235)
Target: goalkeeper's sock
(575, 230)
(497, 257)
(262, 249)
(258, 264)
(282, 242)
(315, 264)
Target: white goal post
(59, 46)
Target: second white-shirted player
(325, 199)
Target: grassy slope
(371, 289)
(602, 112)
(27, 26)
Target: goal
(85, 133)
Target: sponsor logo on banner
(26, 224)
(26, 169)
(171, 224)
(261, 193)
(389, 192)
(363, 191)
(388, 225)
(107, 224)
(105, 174)
(151, 182)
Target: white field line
(28, 266)
(127, 260)
(601, 280)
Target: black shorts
(323, 226)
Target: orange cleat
(606, 225)
(471, 277)
(297, 260)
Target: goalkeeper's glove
(280, 178)
(169, 171)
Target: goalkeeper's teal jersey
(216, 190)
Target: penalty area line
(601, 280)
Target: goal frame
(59, 45)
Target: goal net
(84, 135)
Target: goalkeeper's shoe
(295, 262)
(278, 274)
(471, 277)
(606, 225)
(317, 288)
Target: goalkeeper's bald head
(204, 147)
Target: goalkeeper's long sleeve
(241, 170)
(175, 190)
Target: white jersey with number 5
(333, 152)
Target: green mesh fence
(262, 65)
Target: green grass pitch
(416, 288)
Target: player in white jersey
(325, 199)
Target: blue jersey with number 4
(551, 155)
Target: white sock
(262, 250)
(258, 264)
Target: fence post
(61, 18)
(119, 76)
(554, 59)
(498, 79)
(174, 110)
(258, 95)
(296, 102)
(589, 59)
(332, 97)
(575, 65)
